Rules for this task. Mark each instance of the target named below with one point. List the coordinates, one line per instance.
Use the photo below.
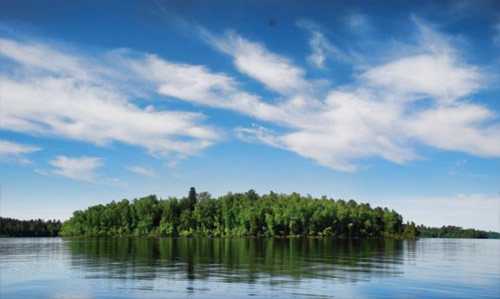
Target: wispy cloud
(434, 69)
(142, 171)
(276, 72)
(257, 133)
(439, 76)
(321, 47)
(73, 96)
(375, 115)
(358, 22)
(77, 168)
(16, 151)
(379, 114)
(198, 84)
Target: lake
(248, 268)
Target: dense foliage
(29, 228)
(238, 214)
(455, 232)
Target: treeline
(238, 215)
(455, 232)
(28, 228)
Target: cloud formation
(382, 114)
(437, 75)
(358, 22)
(253, 59)
(12, 150)
(142, 171)
(196, 84)
(321, 47)
(72, 96)
(418, 97)
(77, 168)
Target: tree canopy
(450, 231)
(29, 228)
(238, 214)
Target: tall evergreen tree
(192, 198)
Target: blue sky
(395, 104)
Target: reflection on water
(236, 260)
(237, 268)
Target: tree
(242, 214)
(192, 198)
(252, 195)
(10, 227)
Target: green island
(236, 215)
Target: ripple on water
(237, 268)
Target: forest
(238, 215)
(455, 232)
(29, 228)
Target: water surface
(248, 268)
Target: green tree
(239, 214)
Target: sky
(396, 105)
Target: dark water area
(248, 268)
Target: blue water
(247, 268)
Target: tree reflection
(237, 260)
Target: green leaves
(237, 214)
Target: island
(236, 215)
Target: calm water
(205, 268)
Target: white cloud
(16, 151)
(197, 84)
(321, 47)
(276, 72)
(379, 114)
(8, 148)
(434, 68)
(41, 172)
(142, 171)
(184, 81)
(66, 108)
(75, 98)
(43, 57)
(428, 75)
(349, 126)
(358, 22)
(462, 127)
(258, 134)
(77, 168)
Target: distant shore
(248, 215)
